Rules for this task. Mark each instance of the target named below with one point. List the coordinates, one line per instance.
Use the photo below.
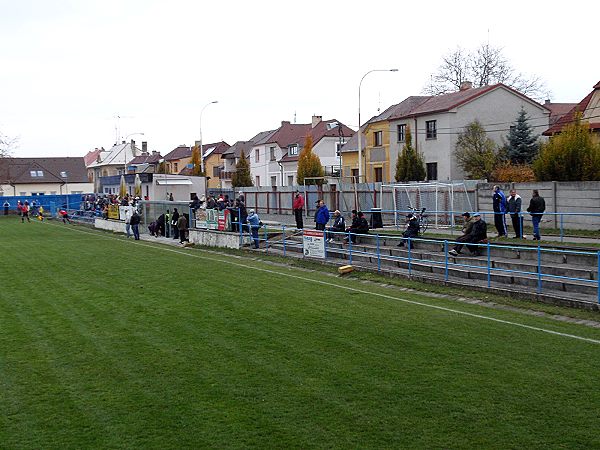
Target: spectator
(171, 197)
(254, 224)
(537, 206)
(174, 220)
(514, 209)
(6, 207)
(160, 225)
(135, 224)
(411, 231)
(298, 207)
(182, 226)
(359, 226)
(477, 234)
(211, 203)
(499, 205)
(195, 203)
(339, 225)
(128, 214)
(322, 215)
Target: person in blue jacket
(322, 215)
(499, 205)
(254, 224)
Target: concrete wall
(211, 238)
(560, 197)
(110, 225)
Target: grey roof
(352, 144)
(119, 154)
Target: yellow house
(377, 157)
(178, 160)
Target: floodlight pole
(201, 151)
(360, 166)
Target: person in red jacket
(298, 207)
(65, 216)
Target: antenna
(294, 116)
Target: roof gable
(19, 170)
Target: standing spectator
(514, 209)
(499, 205)
(254, 224)
(298, 207)
(477, 234)
(182, 225)
(339, 225)
(171, 197)
(160, 225)
(195, 203)
(128, 214)
(537, 206)
(6, 206)
(322, 215)
(211, 202)
(135, 224)
(174, 220)
(411, 231)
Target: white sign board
(314, 243)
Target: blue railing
(375, 250)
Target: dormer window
(293, 150)
(36, 173)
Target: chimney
(316, 120)
(284, 122)
(547, 101)
(144, 146)
(154, 152)
(122, 142)
(465, 85)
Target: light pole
(360, 168)
(201, 151)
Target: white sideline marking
(347, 288)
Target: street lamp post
(360, 166)
(201, 151)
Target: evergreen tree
(522, 143)
(410, 165)
(570, 156)
(162, 167)
(197, 169)
(309, 164)
(475, 152)
(242, 177)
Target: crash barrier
(527, 266)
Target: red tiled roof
(146, 159)
(557, 110)
(183, 151)
(286, 134)
(318, 132)
(91, 156)
(570, 116)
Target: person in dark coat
(360, 225)
(321, 216)
(135, 224)
(477, 234)
(411, 231)
(499, 206)
(160, 225)
(182, 226)
(514, 209)
(339, 225)
(174, 220)
(537, 206)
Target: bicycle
(422, 218)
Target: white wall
(47, 188)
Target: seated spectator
(359, 226)
(476, 234)
(339, 225)
(411, 231)
(160, 225)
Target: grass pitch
(110, 343)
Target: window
(257, 179)
(36, 173)
(272, 153)
(273, 181)
(290, 180)
(378, 174)
(63, 174)
(338, 147)
(355, 174)
(431, 128)
(377, 138)
(432, 171)
(401, 132)
(175, 167)
(293, 150)
(256, 155)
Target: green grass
(109, 343)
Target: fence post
(409, 256)
(562, 234)
(378, 255)
(445, 260)
(598, 277)
(489, 265)
(283, 228)
(539, 268)
(266, 240)
(349, 247)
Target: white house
(112, 162)
(436, 121)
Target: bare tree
(6, 145)
(483, 66)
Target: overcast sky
(68, 68)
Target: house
(589, 108)
(112, 162)
(43, 176)
(274, 155)
(435, 123)
(179, 158)
(145, 163)
(231, 157)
